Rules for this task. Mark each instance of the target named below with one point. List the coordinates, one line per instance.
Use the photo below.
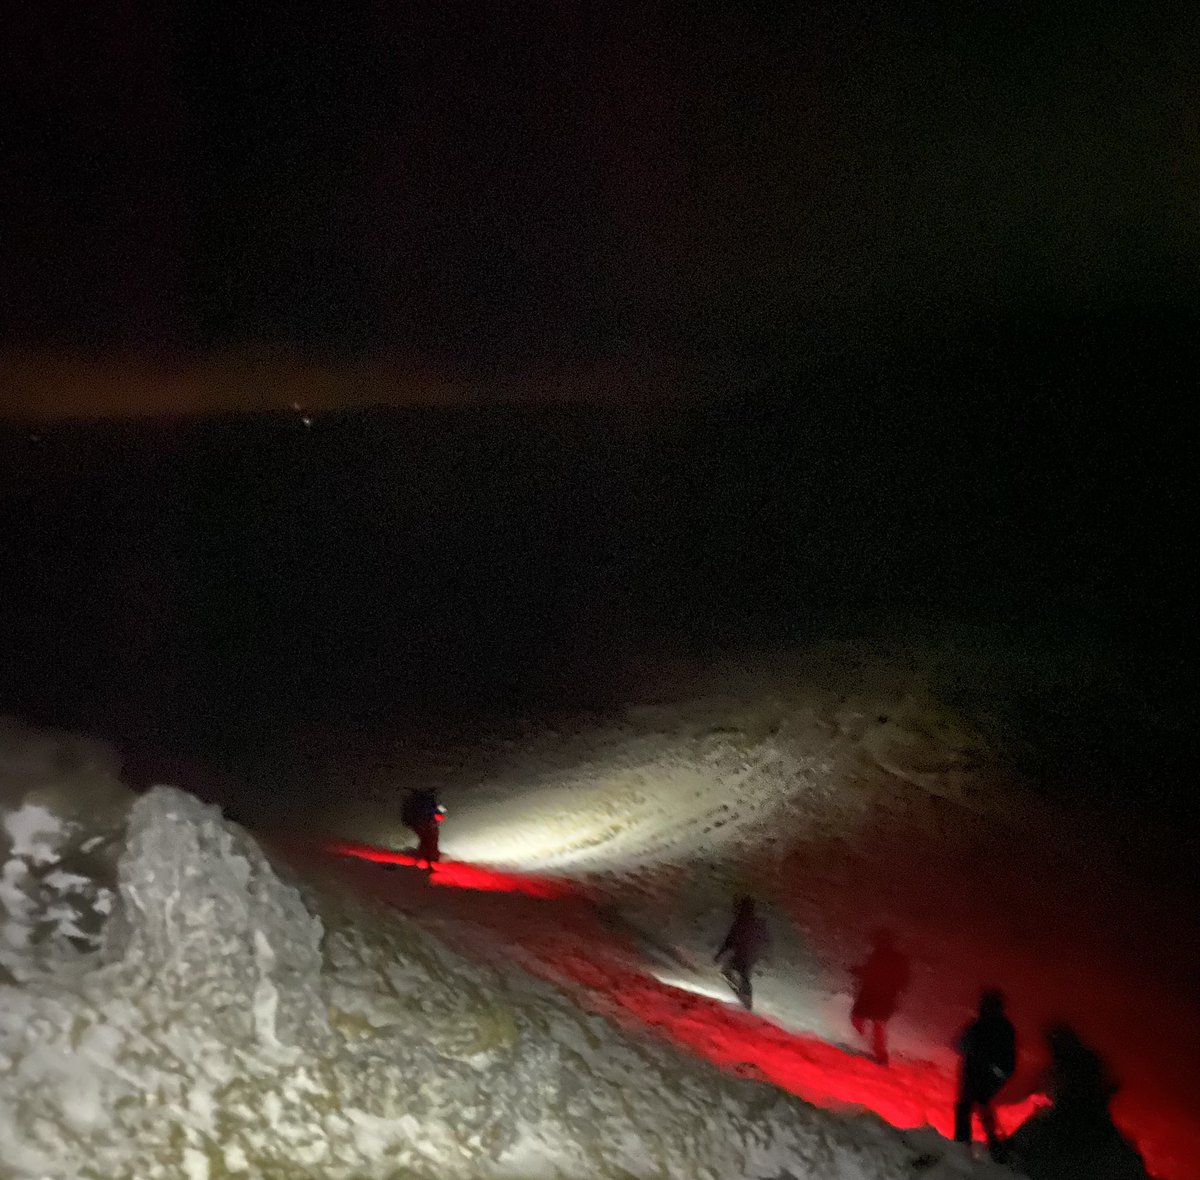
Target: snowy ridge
(230, 1023)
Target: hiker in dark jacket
(1075, 1139)
(988, 1046)
(422, 813)
(881, 979)
(741, 949)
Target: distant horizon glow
(44, 386)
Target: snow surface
(180, 1004)
(230, 1022)
(62, 810)
(841, 786)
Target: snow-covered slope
(753, 757)
(225, 1021)
(850, 785)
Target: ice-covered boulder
(203, 915)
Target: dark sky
(495, 184)
(1006, 190)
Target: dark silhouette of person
(1078, 1081)
(422, 814)
(988, 1046)
(741, 949)
(881, 979)
(1076, 1138)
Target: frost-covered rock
(62, 813)
(203, 917)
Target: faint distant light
(296, 406)
(306, 420)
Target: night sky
(490, 186)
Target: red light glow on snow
(907, 1094)
(458, 875)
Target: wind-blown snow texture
(227, 1022)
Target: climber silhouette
(422, 813)
(988, 1046)
(881, 979)
(743, 946)
(1076, 1138)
